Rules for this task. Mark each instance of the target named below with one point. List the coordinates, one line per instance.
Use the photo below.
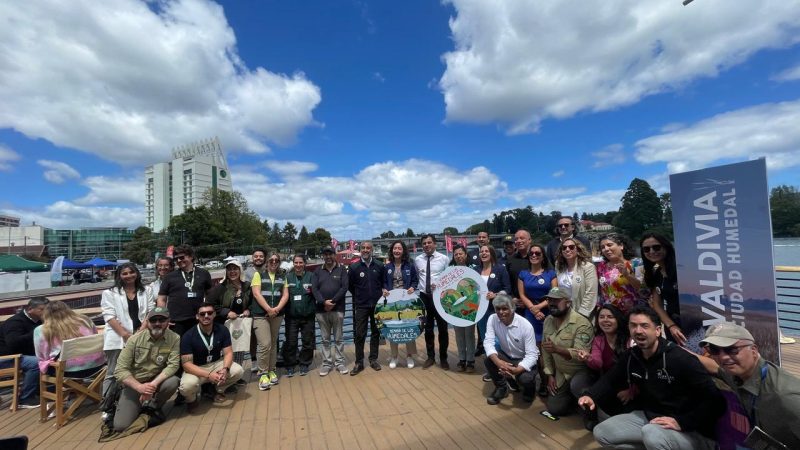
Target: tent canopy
(14, 263)
(100, 262)
(72, 265)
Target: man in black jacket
(329, 289)
(366, 285)
(565, 229)
(678, 403)
(16, 337)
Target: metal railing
(787, 284)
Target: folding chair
(84, 388)
(9, 377)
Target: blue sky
(363, 116)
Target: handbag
(240, 329)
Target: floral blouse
(616, 289)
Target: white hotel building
(172, 187)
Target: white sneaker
(410, 362)
(393, 363)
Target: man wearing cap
(769, 394)
(512, 365)
(565, 332)
(329, 289)
(565, 229)
(146, 367)
(678, 404)
(508, 250)
(207, 357)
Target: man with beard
(511, 351)
(565, 333)
(184, 290)
(680, 404)
(146, 367)
(259, 264)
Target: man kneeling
(207, 357)
(512, 365)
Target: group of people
(603, 340)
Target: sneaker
(289, 372)
(498, 394)
(487, 378)
(303, 371)
(220, 397)
(470, 366)
(30, 403)
(461, 366)
(343, 369)
(410, 362)
(393, 363)
(273, 377)
(324, 371)
(254, 367)
(264, 382)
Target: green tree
(289, 235)
(201, 229)
(640, 210)
(304, 240)
(784, 203)
(322, 238)
(666, 207)
(410, 232)
(141, 247)
(450, 230)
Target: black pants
(305, 326)
(360, 318)
(526, 380)
(181, 327)
(431, 316)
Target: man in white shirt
(513, 365)
(429, 265)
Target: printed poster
(460, 296)
(400, 316)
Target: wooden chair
(9, 377)
(84, 388)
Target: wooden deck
(390, 409)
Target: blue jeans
(30, 375)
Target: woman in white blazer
(125, 307)
(577, 275)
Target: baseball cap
(328, 249)
(235, 262)
(508, 238)
(158, 311)
(726, 334)
(557, 293)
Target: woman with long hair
(615, 273)
(465, 336)
(124, 307)
(60, 323)
(577, 275)
(270, 296)
(231, 298)
(497, 282)
(661, 280)
(400, 273)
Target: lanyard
(208, 343)
(187, 283)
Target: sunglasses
(568, 247)
(158, 320)
(537, 254)
(730, 351)
(564, 225)
(206, 313)
(180, 257)
(273, 260)
(653, 248)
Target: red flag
(449, 243)
(334, 244)
(352, 245)
(415, 247)
(463, 241)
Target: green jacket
(301, 301)
(144, 358)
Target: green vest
(271, 291)
(301, 302)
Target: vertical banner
(334, 244)
(55, 270)
(448, 243)
(463, 241)
(723, 244)
(352, 245)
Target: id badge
(191, 295)
(208, 358)
(298, 297)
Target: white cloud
(518, 62)
(523, 194)
(7, 156)
(608, 156)
(128, 80)
(113, 191)
(58, 172)
(68, 215)
(603, 201)
(768, 130)
(377, 76)
(790, 74)
(558, 173)
(291, 168)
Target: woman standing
(400, 274)
(615, 274)
(661, 279)
(465, 336)
(125, 307)
(577, 275)
(533, 286)
(231, 298)
(60, 323)
(497, 282)
(270, 296)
